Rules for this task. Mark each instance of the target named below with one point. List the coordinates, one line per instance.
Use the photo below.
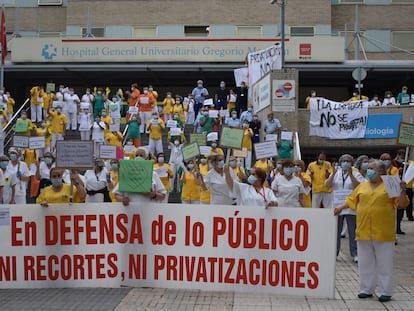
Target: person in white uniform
(20, 175)
(97, 183)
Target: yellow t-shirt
(107, 120)
(247, 139)
(114, 140)
(217, 150)
(204, 195)
(165, 179)
(168, 104)
(307, 197)
(156, 130)
(58, 123)
(63, 196)
(115, 179)
(190, 191)
(10, 105)
(46, 133)
(319, 176)
(29, 156)
(375, 212)
(264, 165)
(179, 108)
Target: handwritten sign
(406, 134)
(171, 123)
(107, 152)
(37, 142)
(231, 137)
(21, 141)
(271, 137)
(340, 195)
(75, 154)
(265, 150)
(208, 102)
(286, 136)
(392, 184)
(240, 153)
(175, 131)
(133, 110)
(135, 176)
(21, 126)
(206, 150)
(190, 151)
(200, 139)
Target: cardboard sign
(21, 126)
(107, 152)
(240, 153)
(406, 134)
(231, 137)
(265, 150)
(20, 141)
(135, 176)
(37, 142)
(201, 139)
(171, 123)
(190, 151)
(74, 154)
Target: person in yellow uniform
(215, 150)
(357, 96)
(114, 173)
(44, 130)
(204, 168)
(247, 143)
(155, 127)
(308, 98)
(57, 126)
(48, 100)
(130, 149)
(266, 165)
(36, 103)
(59, 192)
(179, 108)
(319, 171)
(165, 173)
(299, 171)
(114, 138)
(168, 104)
(191, 184)
(10, 105)
(24, 126)
(106, 119)
(237, 169)
(375, 230)
(391, 170)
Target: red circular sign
(279, 93)
(288, 86)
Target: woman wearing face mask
(343, 180)
(133, 131)
(239, 170)
(391, 170)
(114, 175)
(361, 164)
(44, 131)
(288, 188)
(129, 149)
(179, 108)
(58, 192)
(97, 183)
(98, 134)
(214, 149)
(43, 169)
(168, 105)
(389, 99)
(375, 230)
(215, 181)
(300, 172)
(191, 184)
(24, 126)
(20, 176)
(204, 167)
(266, 165)
(176, 160)
(6, 180)
(247, 143)
(99, 103)
(165, 173)
(253, 193)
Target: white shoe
(355, 259)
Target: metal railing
(8, 130)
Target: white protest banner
(263, 61)
(171, 123)
(337, 120)
(392, 184)
(286, 135)
(107, 152)
(213, 114)
(20, 141)
(240, 75)
(409, 173)
(274, 250)
(266, 149)
(37, 142)
(271, 137)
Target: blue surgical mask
(321, 161)
(114, 166)
(232, 163)
(56, 181)
(203, 161)
(345, 165)
(213, 145)
(190, 166)
(221, 164)
(251, 179)
(3, 164)
(205, 113)
(48, 160)
(387, 163)
(288, 171)
(161, 160)
(13, 156)
(138, 158)
(371, 174)
(295, 169)
(364, 166)
(279, 166)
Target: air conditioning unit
(49, 2)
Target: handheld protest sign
(231, 137)
(107, 152)
(190, 151)
(135, 176)
(21, 126)
(200, 139)
(240, 153)
(405, 134)
(37, 142)
(74, 154)
(265, 150)
(20, 141)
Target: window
(249, 31)
(49, 2)
(196, 31)
(351, 1)
(402, 1)
(145, 32)
(350, 40)
(302, 31)
(98, 32)
(403, 40)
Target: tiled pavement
(146, 299)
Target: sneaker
(355, 259)
(364, 295)
(384, 298)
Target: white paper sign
(339, 196)
(175, 131)
(409, 173)
(286, 136)
(208, 102)
(204, 149)
(107, 152)
(129, 149)
(241, 75)
(171, 123)
(144, 100)
(225, 113)
(133, 110)
(212, 136)
(392, 183)
(265, 150)
(263, 61)
(20, 141)
(37, 142)
(161, 171)
(213, 113)
(271, 137)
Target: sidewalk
(148, 299)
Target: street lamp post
(282, 4)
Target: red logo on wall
(305, 49)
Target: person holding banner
(375, 230)
(191, 180)
(59, 192)
(215, 181)
(254, 193)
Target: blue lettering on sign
(383, 125)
